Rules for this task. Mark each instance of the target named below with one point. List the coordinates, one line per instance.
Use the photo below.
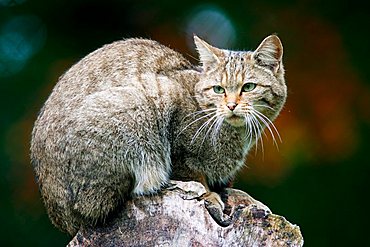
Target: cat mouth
(235, 120)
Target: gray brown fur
(123, 121)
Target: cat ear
(269, 53)
(208, 54)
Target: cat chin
(235, 121)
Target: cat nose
(231, 105)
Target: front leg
(214, 204)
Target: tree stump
(177, 216)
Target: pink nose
(231, 105)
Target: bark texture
(178, 217)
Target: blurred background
(319, 176)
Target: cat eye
(247, 87)
(218, 89)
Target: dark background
(319, 177)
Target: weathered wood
(178, 217)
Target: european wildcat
(133, 114)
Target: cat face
(241, 88)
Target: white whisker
(261, 118)
(266, 106)
(258, 130)
(196, 120)
(268, 127)
(202, 127)
(253, 131)
(193, 114)
(216, 130)
(209, 130)
(267, 122)
(249, 128)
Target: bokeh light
(212, 24)
(20, 38)
(10, 3)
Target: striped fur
(133, 114)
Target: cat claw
(213, 199)
(216, 206)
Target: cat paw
(212, 199)
(216, 207)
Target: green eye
(247, 87)
(218, 89)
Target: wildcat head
(242, 88)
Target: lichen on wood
(177, 216)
